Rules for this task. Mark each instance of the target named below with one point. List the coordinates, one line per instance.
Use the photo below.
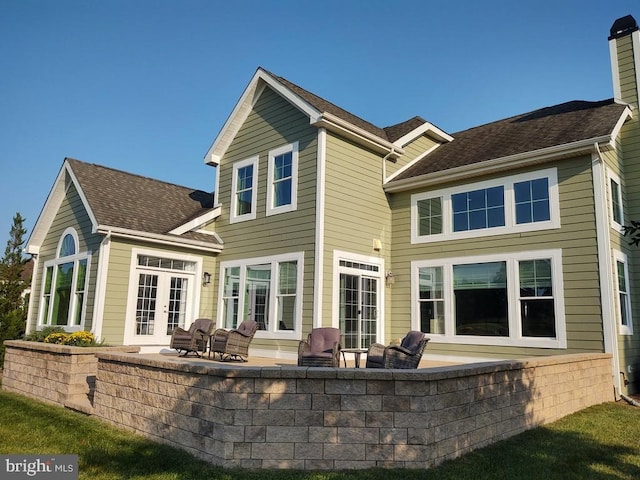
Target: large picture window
(64, 285)
(267, 290)
(515, 204)
(513, 299)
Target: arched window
(64, 284)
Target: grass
(601, 442)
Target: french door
(162, 303)
(359, 303)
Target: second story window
(283, 179)
(244, 192)
(519, 203)
(615, 197)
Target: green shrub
(40, 335)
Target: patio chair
(321, 349)
(193, 340)
(234, 343)
(405, 355)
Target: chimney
(624, 49)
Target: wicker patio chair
(405, 355)
(234, 343)
(193, 340)
(321, 349)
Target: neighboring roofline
(317, 118)
(498, 164)
(167, 240)
(197, 222)
(426, 128)
(51, 206)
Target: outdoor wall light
(389, 278)
(206, 278)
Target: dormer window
(65, 283)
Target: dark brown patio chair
(193, 340)
(321, 349)
(234, 343)
(405, 355)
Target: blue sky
(145, 85)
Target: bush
(40, 335)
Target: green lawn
(602, 442)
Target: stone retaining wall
(58, 374)
(325, 418)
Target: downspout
(384, 164)
(604, 265)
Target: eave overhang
(160, 239)
(501, 164)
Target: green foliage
(633, 232)
(77, 339)
(40, 335)
(13, 311)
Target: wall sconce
(377, 244)
(206, 278)
(389, 278)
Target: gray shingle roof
(124, 200)
(548, 127)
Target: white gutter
(491, 166)
(158, 238)
(331, 122)
(101, 286)
(605, 269)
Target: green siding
(71, 213)
(272, 123)
(356, 211)
(629, 171)
(413, 150)
(576, 238)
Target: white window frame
(618, 226)
(618, 256)
(271, 209)
(513, 284)
(509, 208)
(44, 317)
(274, 261)
(233, 216)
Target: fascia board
(498, 164)
(357, 134)
(242, 109)
(166, 240)
(626, 114)
(51, 207)
(197, 222)
(425, 129)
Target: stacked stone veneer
(58, 374)
(325, 418)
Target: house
(501, 241)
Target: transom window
(514, 204)
(267, 290)
(64, 285)
(244, 191)
(283, 179)
(495, 300)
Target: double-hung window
(513, 299)
(267, 290)
(515, 204)
(64, 285)
(282, 179)
(615, 199)
(244, 190)
(625, 324)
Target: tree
(13, 314)
(633, 232)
